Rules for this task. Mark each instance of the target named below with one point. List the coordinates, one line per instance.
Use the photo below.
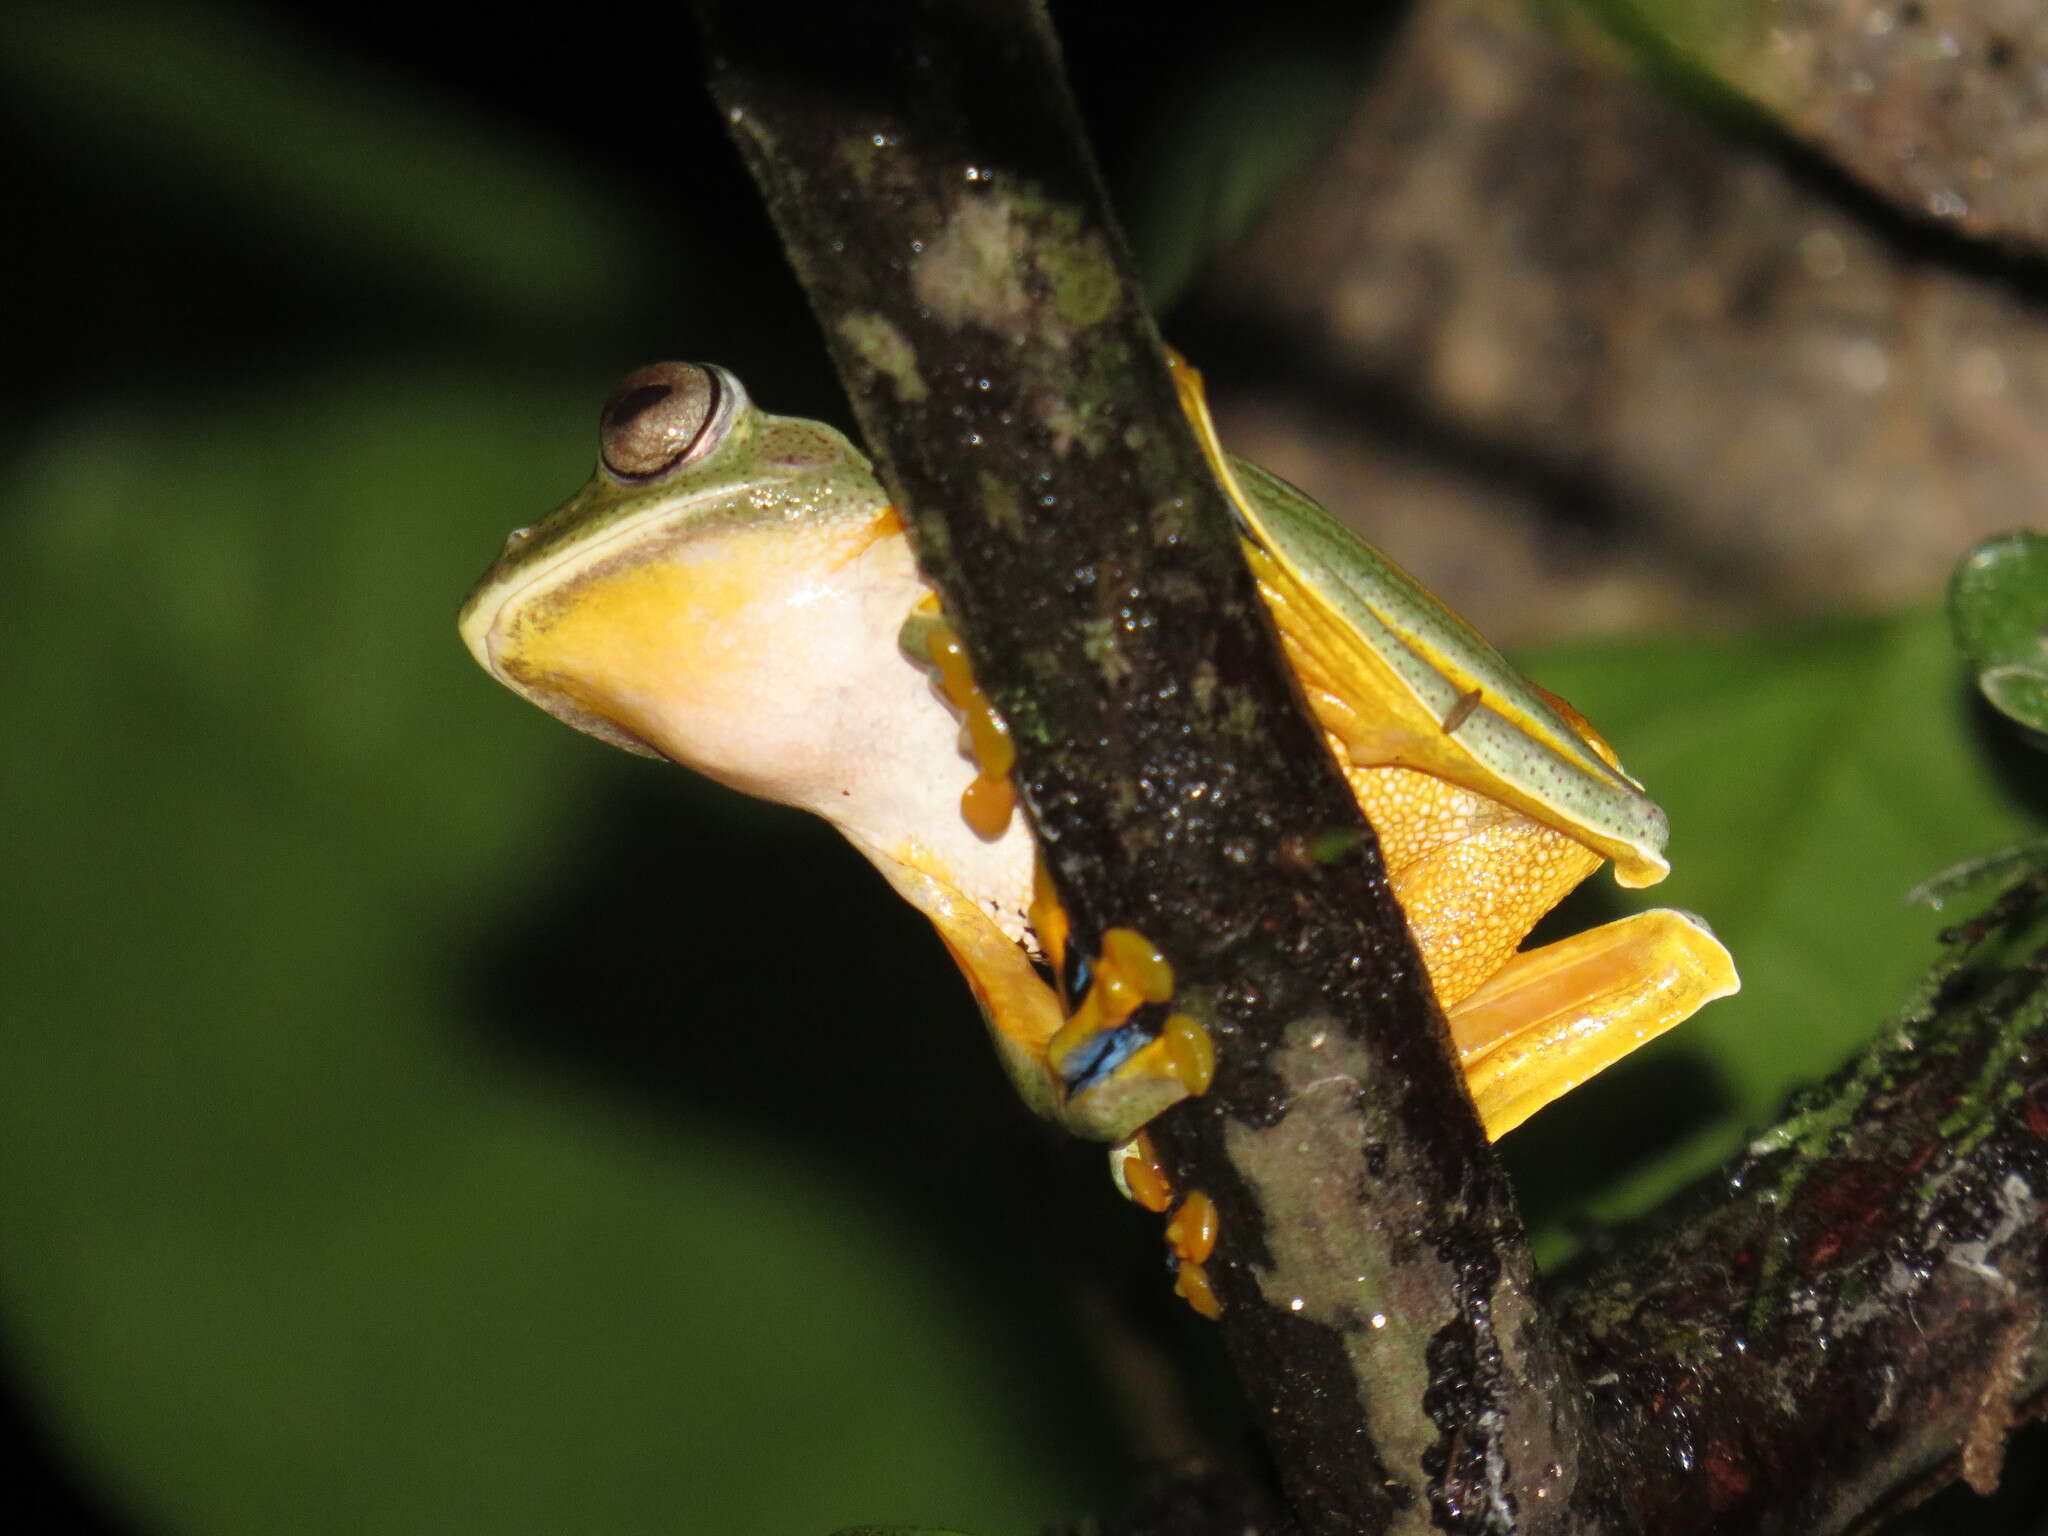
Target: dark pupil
(637, 402)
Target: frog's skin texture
(730, 591)
(1492, 800)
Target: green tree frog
(733, 591)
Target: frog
(735, 592)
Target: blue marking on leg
(1097, 1060)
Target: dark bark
(932, 187)
(1850, 1315)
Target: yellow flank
(1374, 721)
(1192, 1231)
(1472, 875)
(1363, 671)
(1190, 1052)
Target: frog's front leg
(1084, 1030)
(1123, 1055)
(1117, 1057)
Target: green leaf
(1813, 778)
(1998, 603)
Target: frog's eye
(661, 416)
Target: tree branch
(1849, 1315)
(926, 170)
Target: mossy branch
(1850, 1314)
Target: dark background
(419, 1118)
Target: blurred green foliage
(1998, 605)
(416, 1117)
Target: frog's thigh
(1472, 876)
(1555, 1016)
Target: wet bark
(1850, 1314)
(933, 189)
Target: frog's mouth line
(556, 695)
(550, 585)
(491, 598)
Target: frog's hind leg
(1553, 1017)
